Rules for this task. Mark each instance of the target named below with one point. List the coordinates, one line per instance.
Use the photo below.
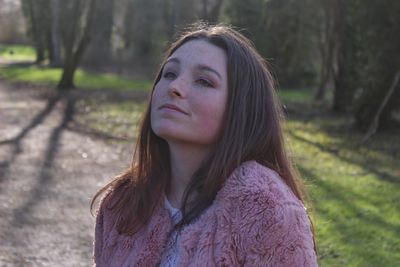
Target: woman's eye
(169, 75)
(205, 83)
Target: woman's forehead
(199, 52)
(199, 47)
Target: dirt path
(48, 174)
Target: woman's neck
(185, 160)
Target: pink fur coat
(255, 220)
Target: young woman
(210, 183)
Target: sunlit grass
(32, 74)
(17, 52)
(83, 79)
(109, 81)
(355, 189)
(299, 96)
(304, 96)
(51, 76)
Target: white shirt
(171, 257)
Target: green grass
(111, 81)
(355, 188)
(304, 96)
(295, 96)
(355, 191)
(50, 76)
(17, 52)
(83, 79)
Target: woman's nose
(173, 91)
(178, 87)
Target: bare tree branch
(375, 123)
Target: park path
(49, 172)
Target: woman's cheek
(210, 124)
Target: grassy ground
(355, 188)
(26, 71)
(17, 52)
(83, 79)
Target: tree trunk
(347, 71)
(55, 34)
(72, 56)
(215, 12)
(100, 49)
(67, 78)
(330, 48)
(35, 30)
(210, 11)
(340, 94)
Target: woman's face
(189, 101)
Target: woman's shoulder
(252, 181)
(110, 196)
(270, 222)
(104, 214)
(104, 200)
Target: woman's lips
(173, 107)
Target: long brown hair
(251, 131)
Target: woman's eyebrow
(207, 68)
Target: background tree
(347, 54)
(43, 17)
(55, 50)
(379, 59)
(285, 32)
(143, 34)
(99, 51)
(330, 44)
(78, 19)
(178, 13)
(347, 48)
(366, 61)
(210, 11)
(38, 15)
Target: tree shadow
(371, 222)
(22, 214)
(100, 95)
(335, 152)
(16, 141)
(341, 127)
(79, 128)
